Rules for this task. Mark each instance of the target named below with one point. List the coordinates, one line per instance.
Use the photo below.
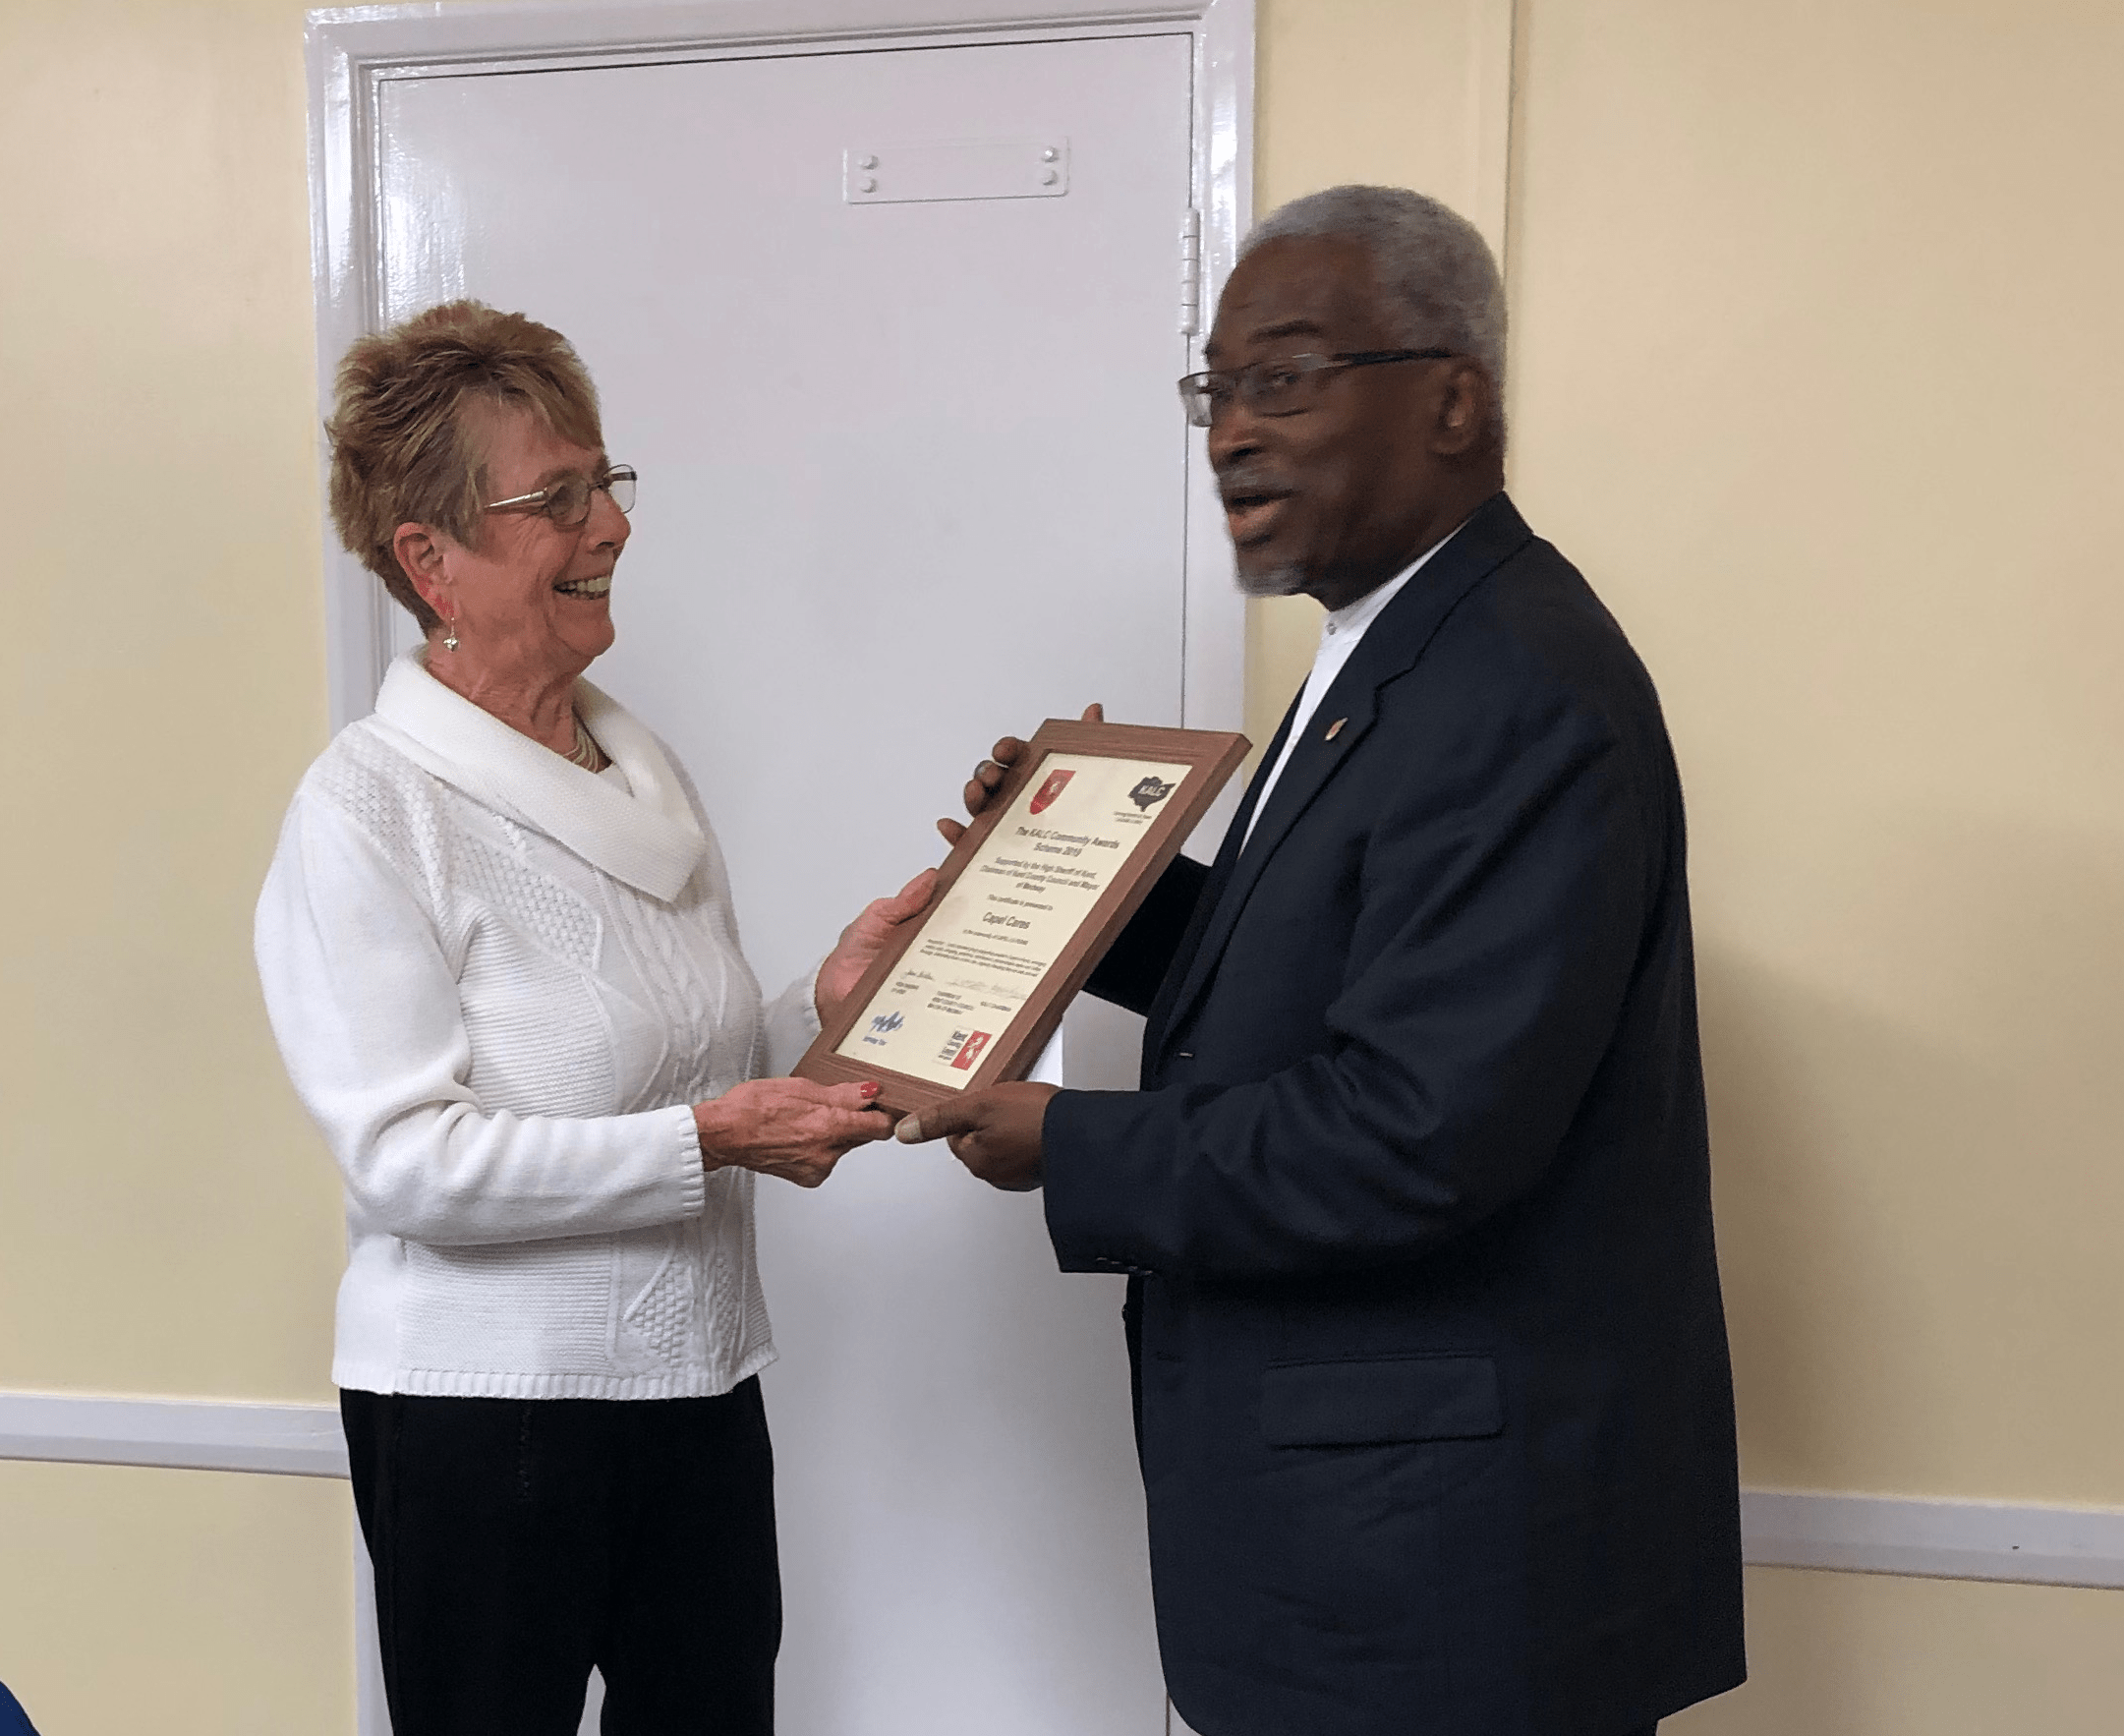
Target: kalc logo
(1049, 790)
(1150, 792)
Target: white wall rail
(1935, 1539)
(2016, 1544)
(180, 1434)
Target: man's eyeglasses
(567, 502)
(1284, 386)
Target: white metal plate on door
(915, 174)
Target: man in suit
(1433, 1402)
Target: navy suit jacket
(1433, 1400)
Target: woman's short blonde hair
(405, 450)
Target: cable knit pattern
(499, 984)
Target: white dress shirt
(1339, 636)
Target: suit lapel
(1390, 648)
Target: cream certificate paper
(1009, 915)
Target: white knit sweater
(499, 982)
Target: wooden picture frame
(1052, 883)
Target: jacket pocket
(1383, 1400)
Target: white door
(913, 475)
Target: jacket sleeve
(364, 1007)
(1499, 920)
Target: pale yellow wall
(168, 1224)
(164, 1212)
(1852, 1654)
(1819, 366)
(1816, 372)
(1841, 453)
(176, 1602)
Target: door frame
(351, 54)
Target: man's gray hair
(1437, 277)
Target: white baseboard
(2011, 1543)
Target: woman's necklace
(588, 754)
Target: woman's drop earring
(449, 638)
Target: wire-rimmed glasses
(1284, 386)
(567, 502)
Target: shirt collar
(1346, 626)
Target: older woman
(499, 953)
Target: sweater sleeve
(791, 1021)
(364, 1007)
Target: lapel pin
(1335, 728)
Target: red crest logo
(971, 1050)
(1049, 790)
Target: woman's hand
(989, 775)
(787, 1128)
(863, 939)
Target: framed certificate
(1026, 904)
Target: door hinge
(1190, 273)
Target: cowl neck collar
(650, 840)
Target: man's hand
(862, 940)
(989, 775)
(995, 1133)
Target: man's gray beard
(1287, 580)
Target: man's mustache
(1246, 480)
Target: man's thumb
(938, 1122)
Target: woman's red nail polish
(871, 1088)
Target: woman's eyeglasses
(567, 502)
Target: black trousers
(517, 1542)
